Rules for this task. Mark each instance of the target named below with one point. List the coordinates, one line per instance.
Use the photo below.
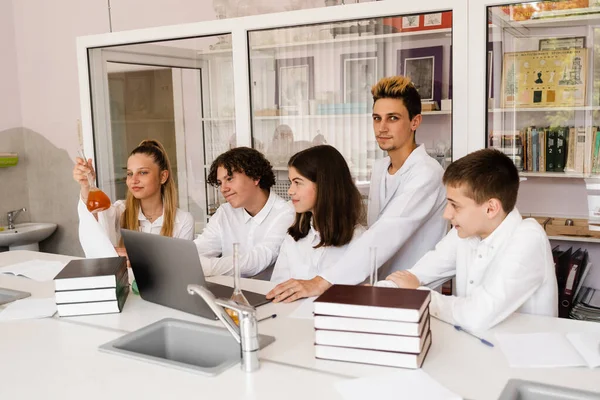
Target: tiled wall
(42, 182)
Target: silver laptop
(164, 266)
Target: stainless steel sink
(517, 389)
(205, 349)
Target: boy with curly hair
(254, 216)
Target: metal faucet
(246, 334)
(12, 215)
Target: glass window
(312, 85)
(542, 89)
(179, 92)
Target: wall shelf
(563, 175)
(543, 109)
(575, 239)
(315, 116)
(355, 38)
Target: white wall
(46, 56)
(126, 14)
(10, 106)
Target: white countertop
(55, 357)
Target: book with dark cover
(561, 148)
(373, 302)
(378, 357)
(91, 273)
(88, 295)
(94, 307)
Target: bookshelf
(327, 116)
(559, 175)
(581, 239)
(543, 109)
(430, 33)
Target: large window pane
(542, 91)
(311, 85)
(179, 92)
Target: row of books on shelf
(571, 269)
(92, 286)
(373, 325)
(551, 149)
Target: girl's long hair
(338, 208)
(129, 219)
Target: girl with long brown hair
(328, 210)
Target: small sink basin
(204, 349)
(517, 389)
(26, 236)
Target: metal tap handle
(246, 334)
(248, 323)
(14, 213)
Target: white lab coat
(510, 270)
(300, 260)
(109, 225)
(259, 237)
(404, 225)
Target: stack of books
(92, 286)
(373, 325)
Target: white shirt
(300, 260)
(510, 270)
(259, 237)
(387, 184)
(110, 221)
(403, 225)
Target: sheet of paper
(39, 270)
(405, 384)
(539, 350)
(93, 238)
(305, 309)
(588, 345)
(29, 309)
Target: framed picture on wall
(358, 74)
(423, 65)
(294, 83)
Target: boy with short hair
(502, 263)
(254, 216)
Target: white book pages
(29, 309)
(38, 270)
(539, 350)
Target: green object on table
(134, 287)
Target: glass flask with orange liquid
(97, 200)
(237, 295)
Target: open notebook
(551, 349)
(38, 270)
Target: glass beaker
(373, 265)
(97, 200)
(237, 295)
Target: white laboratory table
(59, 357)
